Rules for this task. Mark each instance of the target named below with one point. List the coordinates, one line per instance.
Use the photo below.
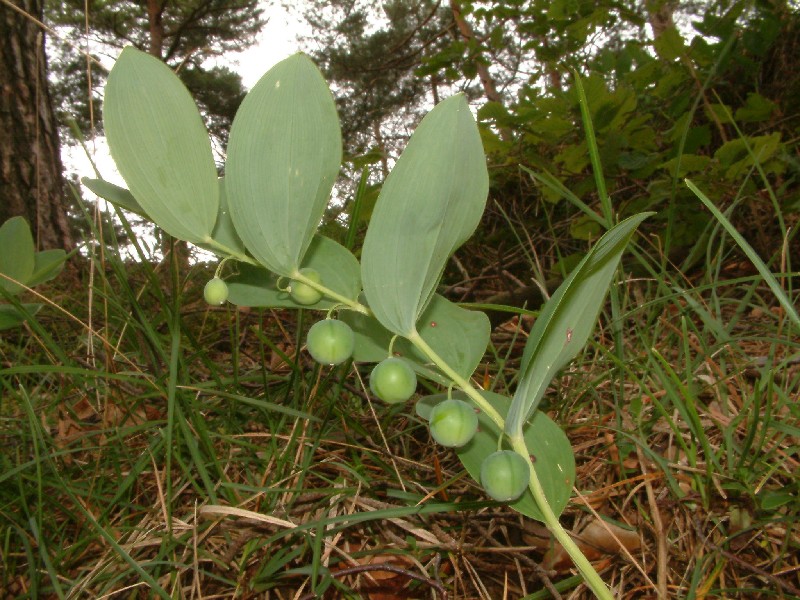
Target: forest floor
(153, 446)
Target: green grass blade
(769, 278)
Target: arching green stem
(351, 304)
(421, 345)
(586, 569)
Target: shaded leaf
(567, 319)
(284, 154)
(47, 265)
(16, 254)
(429, 205)
(160, 145)
(10, 317)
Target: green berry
(330, 342)
(453, 423)
(505, 475)
(393, 381)
(302, 293)
(216, 291)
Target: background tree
(31, 183)
(189, 36)
(675, 89)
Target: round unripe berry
(393, 381)
(330, 342)
(216, 291)
(453, 423)
(302, 293)
(505, 475)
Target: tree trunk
(31, 179)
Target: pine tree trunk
(31, 179)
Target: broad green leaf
(756, 109)
(429, 205)
(118, 196)
(10, 317)
(47, 265)
(337, 267)
(457, 335)
(16, 254)
(585, 228)
(567, 319)
(669, 45)
(284, 154)
(160, 145)
(554, 460)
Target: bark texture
(31, 174)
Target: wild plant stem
(585, 568)
(465, 386)
(587, 571)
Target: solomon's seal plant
(283, 157)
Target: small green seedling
(283, 157)
(393, 381)
(21, 266)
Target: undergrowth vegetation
(283, 476)
(157, 441)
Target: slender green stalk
(586, 569)
(416, 339)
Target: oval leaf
(17, 259)
(160, 145)
(429, 205)
(47, 265)
(11, 317)
(284, 154)
(567, 319)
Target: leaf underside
(429, 205)
(160, 145)
(567, 320)
(284, 155)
